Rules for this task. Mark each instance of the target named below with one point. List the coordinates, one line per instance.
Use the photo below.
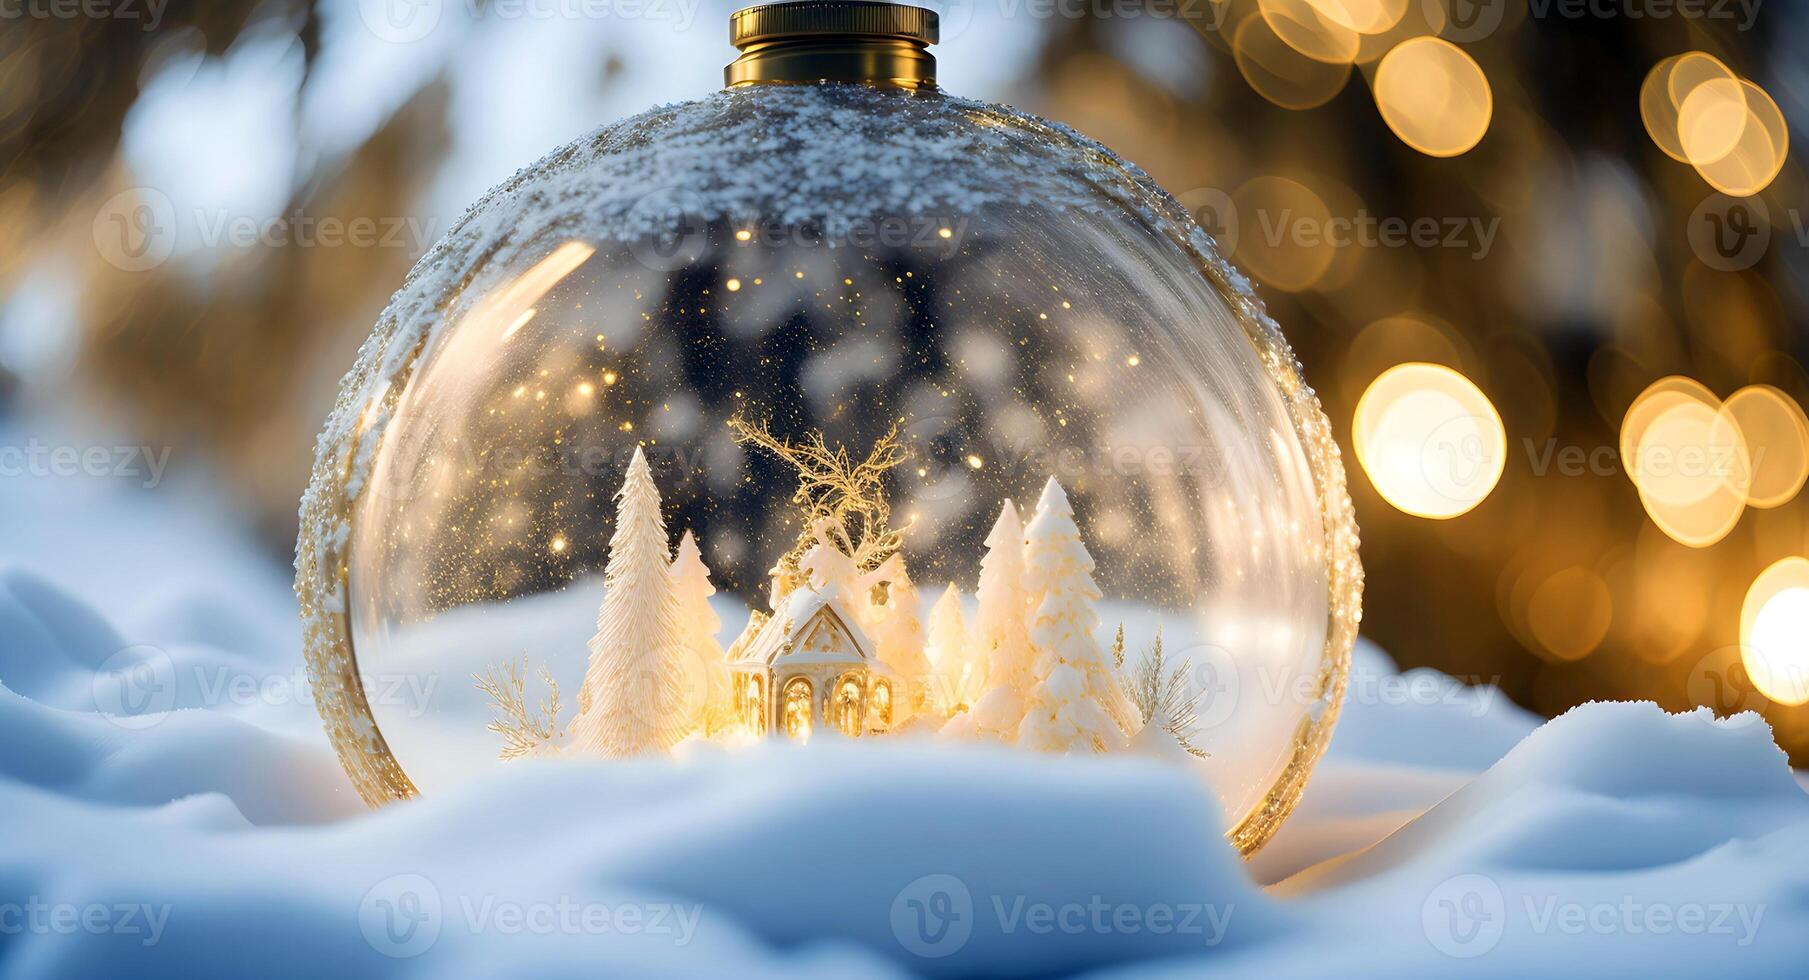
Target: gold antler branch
(843, 499)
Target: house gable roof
(783, 638)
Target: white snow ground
(1441, 835)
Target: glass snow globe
(829, 406)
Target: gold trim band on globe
(322, 586)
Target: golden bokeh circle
(1711, 119)
(1310, 27)
(1774, 631)
(1569, 613)
(1758, 150)
(1281, 74)
(1434, 96)
(1777, 439)
(1430, 440)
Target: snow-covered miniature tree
(898, 637)
(957, 676)
(1076, 703)
(1001, 635)
(706, 673)
(633, 696)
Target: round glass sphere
(964, 305)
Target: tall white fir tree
(1001, 634)
(1076, 703)
(896, 629)
(632, 701)
(958, 678)
(706, 672)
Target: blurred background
(1578, 219)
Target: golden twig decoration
(837, 496)
(1162, 696)
(522, 730)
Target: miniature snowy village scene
(847, 645)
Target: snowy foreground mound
(218, 839)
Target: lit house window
(797, 708)
(850, 713)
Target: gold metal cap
(866, 41)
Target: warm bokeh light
(1297, 257)
(1758, 150)
(1657, 109)
(1434, 96)
(1429, 439)
(1364, 16)
(1685, 453)
(1777, 440)
(1310, 27)
(1774, 632)
(1699, 112)
(1281, 74)
(1570, 612)
(1711, 119)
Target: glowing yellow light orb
(1281, 74)
(1711, 120)
(1777, 437)
(1314, 28)
(1685, 453)
(1774, 632)
(1434, 96)
(1758, 149)
(1430, 440)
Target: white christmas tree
(706, 673)
(898, 637)
(1001, 634)
(632, 701)
(1076, 703)
(958, 678)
